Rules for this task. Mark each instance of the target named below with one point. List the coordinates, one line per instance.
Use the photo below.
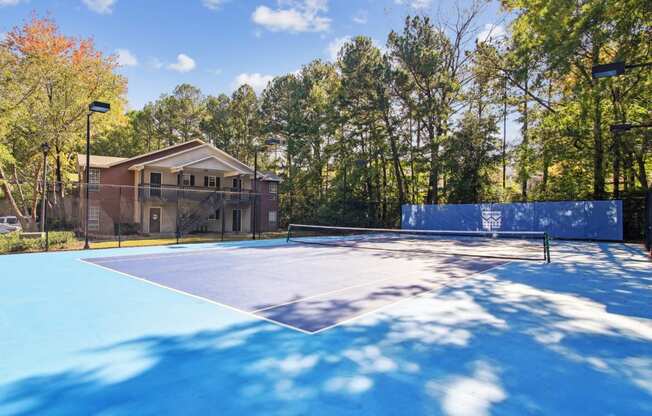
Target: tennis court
(331, 321)
(324, 276)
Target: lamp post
(94, 107)
(268, 142)
(45, 147)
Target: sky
(217, 45)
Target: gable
(210, 163)
(200, 157)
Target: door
(237, 217)
(155, 184)
(154, 220)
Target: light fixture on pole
(620, 128)
(268, 142)
(45, 147)
(94, 107)
(614, 69)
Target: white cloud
(297, 16)
(491, 33)
(361, 17)
(184, 63)
(4, 3)
(214, 4)
(126, 58)
(415, 4)
(257, 81)
(335, 45)
(99, 6)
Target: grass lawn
(67, 241)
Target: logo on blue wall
(491, 220)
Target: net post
(287, 239)
(546, 247)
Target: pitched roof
(110, 161)
(270, 176)
(200, 142)
(99, 161)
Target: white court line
(156, 256)
(303, 331)
(134, 257)
(199, 297)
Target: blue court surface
(278, 328)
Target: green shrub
(14, 243)
(60, 239)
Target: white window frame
(94, 179)
(184, 177)
(272, 216)
(214, 179)
(94, 214)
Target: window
(236, 183)
(215, 215)
(93, 218)
(212, 181)
(155, 184)
(273, 190)
(94, 179)
(187, 180)
(271, 217)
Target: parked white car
(9, 224)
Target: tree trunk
(395, 160)
(642, 173)
(598, 149)
(616, 167)
(6, 187)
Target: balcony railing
(170, 193)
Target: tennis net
(518, 245)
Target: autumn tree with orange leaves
(47, 80)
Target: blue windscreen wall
(582, 220)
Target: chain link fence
(116, 216)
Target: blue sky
(218, 44)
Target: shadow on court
(565, 339)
